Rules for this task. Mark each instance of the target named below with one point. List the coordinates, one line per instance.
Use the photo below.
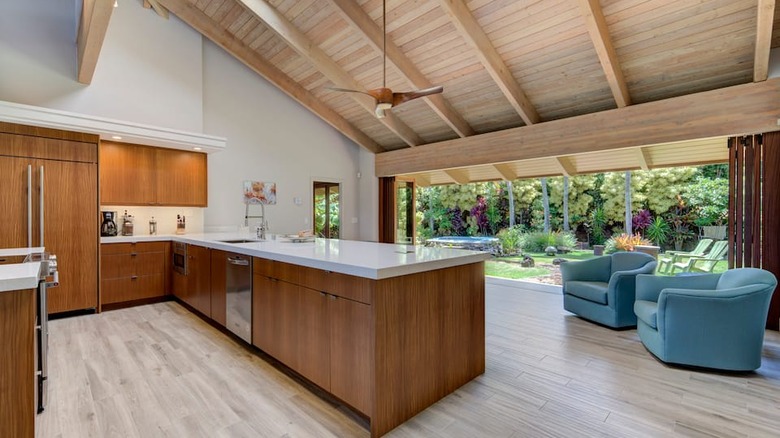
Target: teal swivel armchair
(602, 289)
(710, 320)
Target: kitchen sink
(239, 241)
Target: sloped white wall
(161, 72)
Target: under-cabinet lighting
(197, 148)
(116, 137)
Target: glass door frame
(327, 183)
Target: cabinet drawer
(148, 263)
(118, 290)
(116, 266)
(263, 267)
(128, 248)
(349, 286)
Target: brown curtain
(387, 209)
(754, 207)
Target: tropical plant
(598, 220)
(710, 200)
(658, 231)
(624, 242)
(479, 213)
(680, 217)
(641, 220)
(510, 240)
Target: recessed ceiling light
(116, 137)
(197, 148)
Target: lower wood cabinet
(218, 286)
(195, 288)
(17, 367)
(324, 337)
(134, 271)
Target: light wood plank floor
(158, 370)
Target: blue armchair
(602, 289)
(710, 320)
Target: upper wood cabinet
(143, 175)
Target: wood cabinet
(17, 368)
(143, 175)
(322, 336)
(195, 289)
(61, 168)
(133, 271)
(218, 286)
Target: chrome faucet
(262, 226)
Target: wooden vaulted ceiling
(504, 65)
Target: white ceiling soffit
(106, 128)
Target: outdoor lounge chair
(665, 261)
(711, 320)
(704, 263)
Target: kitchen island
(387, 329)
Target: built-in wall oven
(180, 258)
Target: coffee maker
(108, 227)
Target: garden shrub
(538, 241)
(510, 240)
(624, 242)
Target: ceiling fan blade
(347, 90)
(399, 98)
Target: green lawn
(509, 267)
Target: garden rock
(558, 261)
(527, 262)
(551, 250)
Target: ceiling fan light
(381, 108)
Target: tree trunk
(511, 204)
(546, 205)
(628, 202)
(566, 204)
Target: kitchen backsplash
(165, 217)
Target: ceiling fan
(385, 98)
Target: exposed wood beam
(599, 34)
(211, 30)
(751, 108)
(459, 176)
(470, 29)
(507, 174)
(352, 13)
(95, 15)
(566, 166)
(327, 66)
(160, 9)
(766, 16)
(421, 180)
(644, 158)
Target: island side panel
(429, 340)
(17, 366)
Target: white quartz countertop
(11, 252)
(363, 259)
(19, 276)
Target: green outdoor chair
(665, 261)
(706, 262)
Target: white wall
(163, 73)
(774, 63)
(148, 71)
(270, 138)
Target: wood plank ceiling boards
(524, 81)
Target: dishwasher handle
(238, 261)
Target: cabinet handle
(333, 297)
(322, 294)
(134, 277)
(132, 254)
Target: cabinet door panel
(199, 278)
(312, 340)
(119, 290)
(71, 232)
(148, 263)
(218, 290)
(350, 352)
(127, 174)
(266, 326)
(13, 199)
(181, 178)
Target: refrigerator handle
(41, 213)
(29, 206)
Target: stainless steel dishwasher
(239, 295)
